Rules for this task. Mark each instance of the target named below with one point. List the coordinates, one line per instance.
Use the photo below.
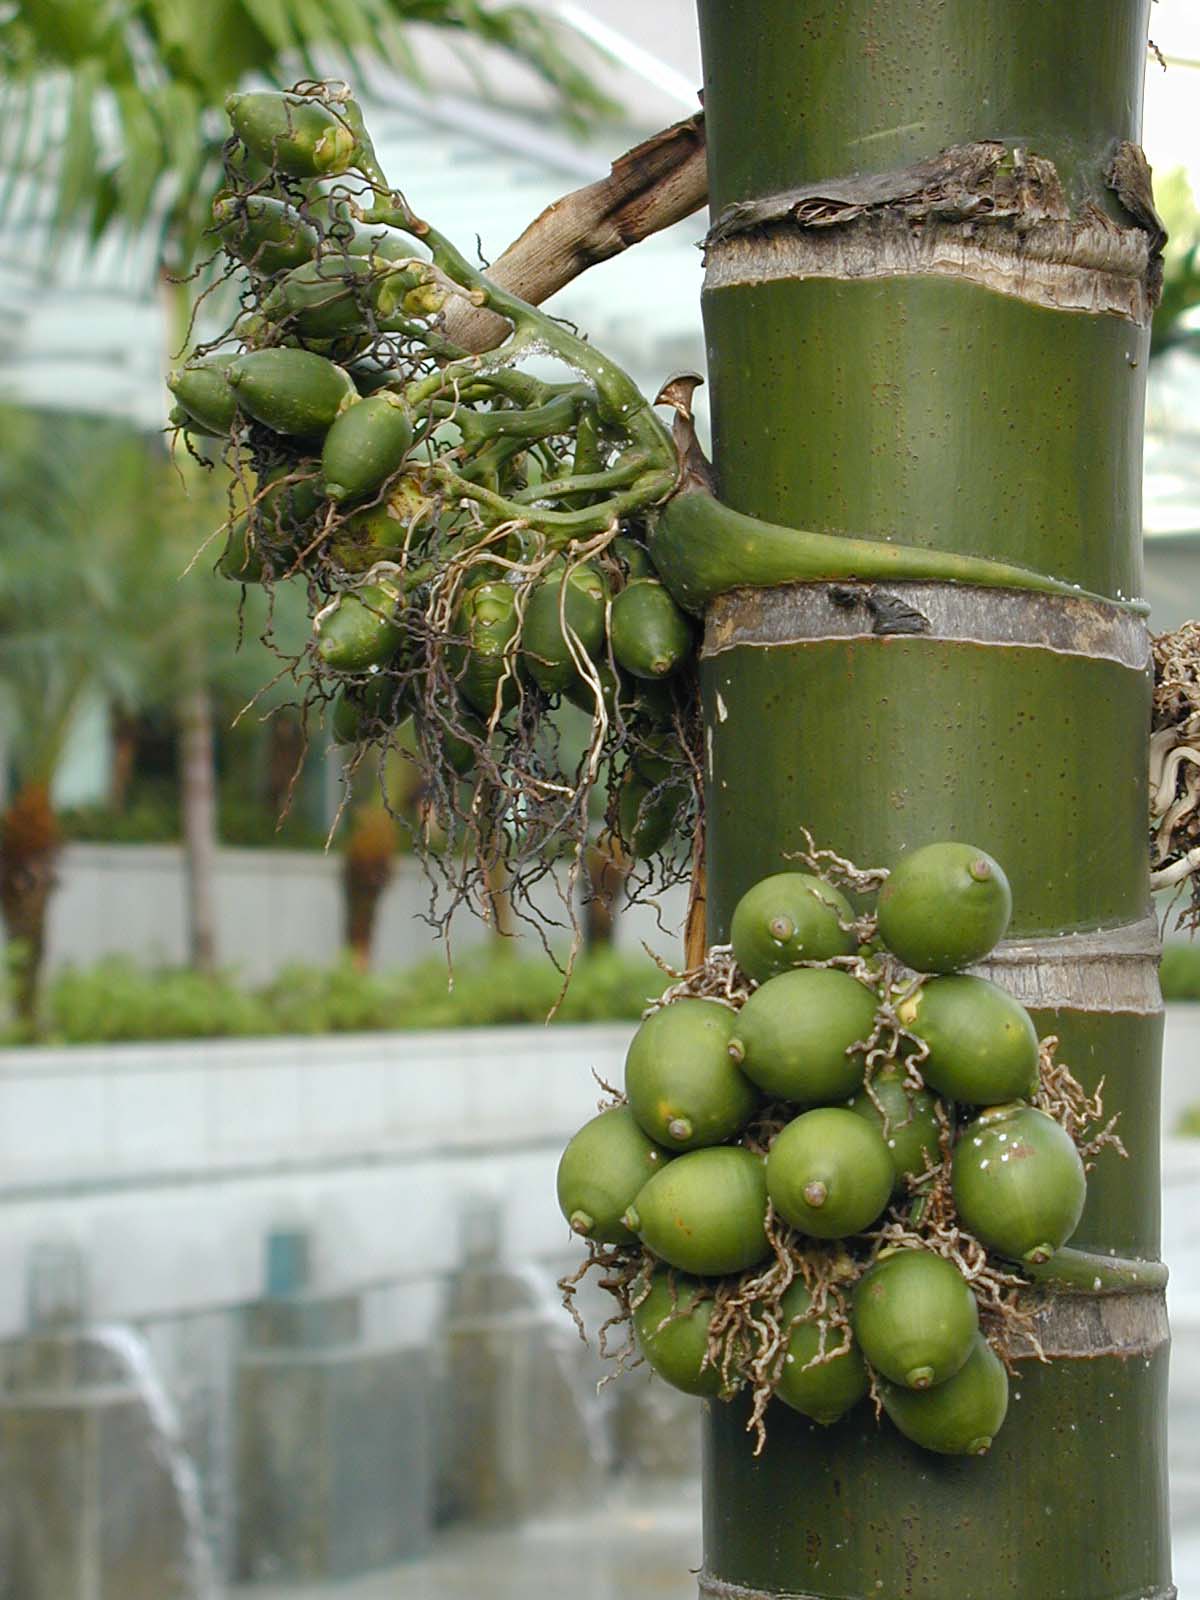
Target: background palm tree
(82, 589)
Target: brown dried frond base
(1175, 767)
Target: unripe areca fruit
(320, 299)
(647, 813)
(483, 660)
(671, 1325)
(581, 593)
(291, 133)
(651, 636)
(983, 1046)
(683, 1088)
(358, 630)
(293, 392)
(821, 1389)
(270, 534)
(705, 1212)
(908, 1121)
(601, 1171)
(960, 1417)
(203, 389)
(370, 708)
(268, 235)
(829, 1173)
(365, 445)
(634, 558)
(915, 1317)
(794, 1037)
(788, 918)
(1019, 1184)
(944, 906)
(383, 532)
(459, 750)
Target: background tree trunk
(198, 808)
(194, 712)
(30, 842)
(367, 869)
(945, 367)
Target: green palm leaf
(161, 68)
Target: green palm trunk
(954, 358)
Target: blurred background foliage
(111, 127)
(139, 132)
(117, 1001)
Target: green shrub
(115, 1001)
(491, 988)
(1180, 972)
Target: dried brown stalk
(657, 183)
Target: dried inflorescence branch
(718, 977)
(505, 479)
(1063, 1097)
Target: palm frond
(143, 81)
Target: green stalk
(560, 527)
(621, 401)
(973, 423)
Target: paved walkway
(647, 1551)
(643, 1551)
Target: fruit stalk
(865, 389)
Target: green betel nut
(706, 1212)
(651, 636)
(795, 1036)
(960, 1417)
(683, 1088)
(365, 446)
(671, 1325)
(576, 595)
(788, 918)
(944, 906)
(829, 1173)
(915, 1317)
(1019, 1183)
(293, 392)
(821, 1379)
(983, 1046)
(292, 133)
(358, 630)
(601, 1172)
(906, 1118)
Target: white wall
(273, 907)
(167, 1165)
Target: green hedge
(1180, 972)
(115, 1001)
